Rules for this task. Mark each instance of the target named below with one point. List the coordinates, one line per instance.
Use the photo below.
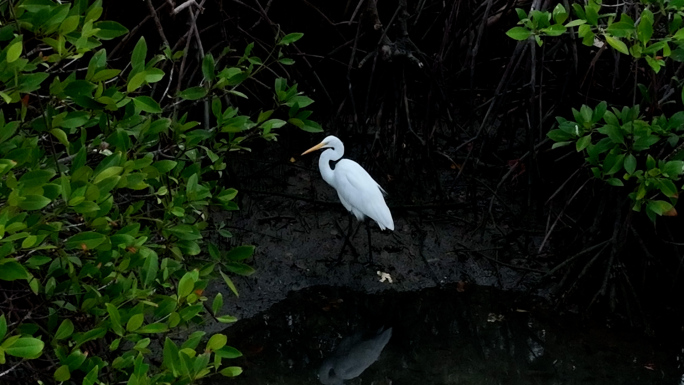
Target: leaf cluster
(107, 193)
(618, 147)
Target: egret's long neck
(328, 155)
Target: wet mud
(298, 226)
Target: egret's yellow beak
(314, 148)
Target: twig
(356, 10)
(185, 5)
(567, 261)
(548, 234)
(160, 29)
(10, 369)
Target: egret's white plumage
(357, 190)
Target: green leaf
(29, 241)
(79, 88)
(105, 74)
(193, 341)
(31, 82)
(62, 373)
(645, 27)
(621, 29)
(311, 126)
(33, 202)
(583, 142)
(280, 85)
(215, 306)
(575, 23)
(108, 172)
(559, 135)
(153, 328)
(69, 25)
(87, 240)
(668, 188)
(228, 352)
(227, 195)
(186, 284)
(3, 326)
(8, 130)
(193, 93)
(591, 14)
(25, 347)
(216, 342)
(555, 30)
(75, 360)
(150, 268)
(239, 268)
(286, 61)
(153, 75)
(230, 283)
(231, 371)
(273, 123)
(136, 81)
(186, 232)
(164, 166)
(615, 182)
(560, 14)
(655, 64)
(226, 319)
(171, 359)
(86, 207)
(114, 318)
(139, 55)
(66, 329)
(91, 376)
(673, 168)
(659, 207)
(115, 344)
(617, 44)
(14, 51)
(36, 178)
(135, 322)
(522, 15)
(61, 136)
(109, 30)
(519, 33)
(238, 93)
(208, 67)
(147, 104)
(290, 38)
(613, 132)
(630, 164)
(240, 252)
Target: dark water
(453, 335)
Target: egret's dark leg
(347, 241)
(370, 245)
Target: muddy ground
(296, 223)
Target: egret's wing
(357, 188)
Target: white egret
(357, 190)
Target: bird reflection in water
(352, 356)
